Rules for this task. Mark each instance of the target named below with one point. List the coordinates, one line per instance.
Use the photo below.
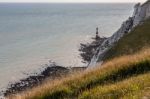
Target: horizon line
(72, 2)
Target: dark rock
(89, 49)
(32, 81)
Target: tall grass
(132, 88)
(76, 85)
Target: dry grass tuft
(109, 75)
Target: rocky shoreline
(54, 71)
(91, 53)
(50, 72)
(88, 50)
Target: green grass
(122, 77)
(113, 73)
(132, 88)
(73, 90)
(131, 42)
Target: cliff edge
(140, 14)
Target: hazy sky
(72, 0)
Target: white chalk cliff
(141, 13)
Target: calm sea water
(33, 34)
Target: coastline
(51, 72)
(54, 71)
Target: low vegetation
(132, 42)
(132, 88)
(125, 77)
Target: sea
(34, 34)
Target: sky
(71, 1)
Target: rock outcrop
(141, 13)
(88, 50)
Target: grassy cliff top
(132, 42)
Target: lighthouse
(97, 33)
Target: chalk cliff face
(141, 13)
